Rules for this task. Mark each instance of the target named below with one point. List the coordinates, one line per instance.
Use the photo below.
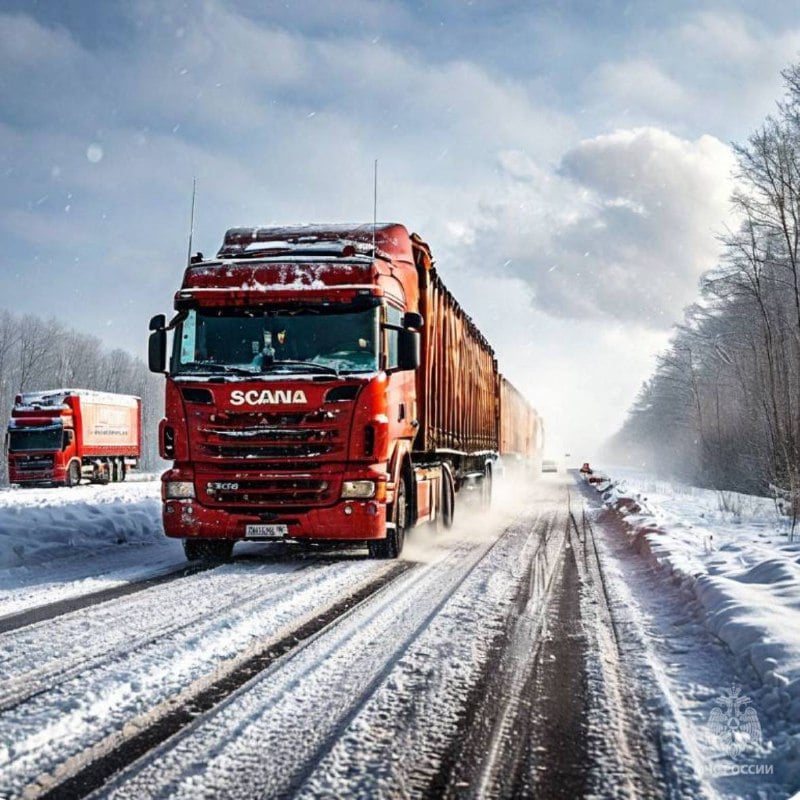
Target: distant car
(549, 466)
(585, 468)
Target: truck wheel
(392, 545)
(448, 508)
(73, 474)
(212, 551)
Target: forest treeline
(722, 409)
(38, 354)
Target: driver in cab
(275, 347)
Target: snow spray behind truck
(324, 385)
(63, 435)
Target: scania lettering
(323, 385)
(267, 397)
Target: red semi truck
(63, 435)
(323, 385)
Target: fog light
(348, 509)
(170, 509)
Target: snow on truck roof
(55, 398)
(392, 240)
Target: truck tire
(103, 475)
(212, 551)
(392, 545)
(448, 508)
(73, 474)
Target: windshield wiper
(309, 365)
(360, 370)
(210, 366)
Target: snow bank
(734, 553)
(38, 525)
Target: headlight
(177, 490)
(360, 489)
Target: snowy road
(490, 662)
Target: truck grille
(34, 463)
(283, 492)
(269, 463)
(272, 436)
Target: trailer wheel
(102, 473)
(448, 508)
(212, 551)
(392, 545)
(73, 474)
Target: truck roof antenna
(191, 224)
(374, 205)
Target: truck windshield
(231, 341)
(23, 440)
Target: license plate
(266, 531)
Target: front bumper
(365, 520)
(43, 476)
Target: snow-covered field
(730, 558)
(57, 543)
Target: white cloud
(638, 85)
(706, 70)
(25, 43)
(622, 231)
(724, 35)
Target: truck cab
(291, 405)
(39, 449)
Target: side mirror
(412, 320)
(157, 346)
(408, 349)
(158, 322)
(157, 351)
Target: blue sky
(568, 162)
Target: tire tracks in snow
(88, 770)
(49, 611)
(87, 651)
(303, 703)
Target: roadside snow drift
(733, 554)
(40, 525)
